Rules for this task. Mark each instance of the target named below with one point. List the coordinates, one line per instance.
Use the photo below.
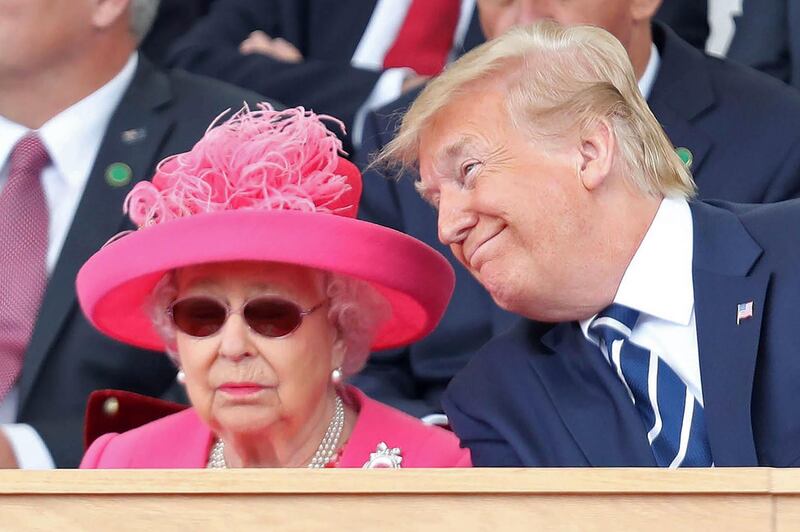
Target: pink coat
(183, 441)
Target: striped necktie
(671, 414)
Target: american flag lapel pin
(744, 311)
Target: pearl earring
(337, 376)
(181, 377)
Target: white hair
(355, 308)
(142, 15)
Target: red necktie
(23, 254)
(426, 37)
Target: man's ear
(107, 13)
(644, 10)
(597, 150)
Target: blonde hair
(559, 80)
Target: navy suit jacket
(66, 358)
(688, 18)
(541, 395)
(740, 125)
(767, 38)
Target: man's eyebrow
(441, 163)
(453, 150)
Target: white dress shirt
(379, 36)
(658, 283)
(72, 139)
(650, 72)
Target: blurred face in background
(616, 16)
(36, 35)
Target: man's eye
(467, 168)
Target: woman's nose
(234, 338)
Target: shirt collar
(73, 136)
(658, 280)
(10, 133)
(650, 72)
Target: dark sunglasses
(203, 316)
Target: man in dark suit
(708, 107)
(326, 55)
(767, 38)
(657, 329)
(104, 117)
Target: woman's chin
(244, 419)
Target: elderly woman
(250, 270)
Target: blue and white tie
(672, 415)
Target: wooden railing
(494, 500)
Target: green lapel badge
(686, 156)
(118, 174)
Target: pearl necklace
(325, 452)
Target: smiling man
(560, 193)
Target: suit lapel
(99, 213)
(681, 93)
(591, 400)
(724, 256)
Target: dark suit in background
(541, 395)
(174, 19)
(741, 127)
(162, 114)
(688, 18)
(767, 38)
(326, 32)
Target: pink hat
(265, 185)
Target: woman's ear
(597, 150)
(339, 350)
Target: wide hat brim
(115, 283)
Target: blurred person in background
(767, 38)
(82, 117)
(336, 57)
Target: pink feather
(261, 159)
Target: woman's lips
(241, 388)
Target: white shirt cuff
(28, 447)
(388, 88)
(436, 419)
